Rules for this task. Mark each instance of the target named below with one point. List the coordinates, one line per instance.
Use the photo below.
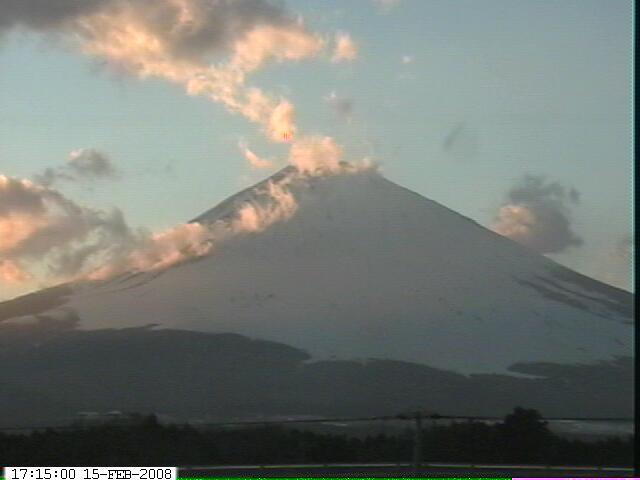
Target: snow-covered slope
(367, 269)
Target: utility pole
(417, 416)
(417, 445)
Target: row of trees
(521, 438)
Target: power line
(405, 416)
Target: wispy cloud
(174, 40)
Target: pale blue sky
(541, 86)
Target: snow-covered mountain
(363, 269)
(368, 269)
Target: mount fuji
(369, 298)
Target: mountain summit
(362, 270)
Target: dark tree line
(521, 438)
